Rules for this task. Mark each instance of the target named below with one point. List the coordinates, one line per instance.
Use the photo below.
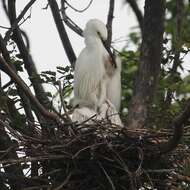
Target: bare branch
(24, 34)
(27, 91)
(62, 32)
(72, 25)
(178, 125)
(28, 61)
(110, 21)
(137, 12)
(5, 7)
(77, 10)
(18, 19)
(150, 60)
(24, 99)
(177, 46)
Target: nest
(94, 157)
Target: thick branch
(5, 7)
(178, 125)
(27, 91)
(28, 61)
(18, 19)
(62, 32)
(110, 21)
(24, 99)
(137, 12)
(150, 60)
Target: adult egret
(97, 84)
(94, 68)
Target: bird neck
(93, 42)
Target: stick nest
(96, 157)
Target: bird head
(97, 28)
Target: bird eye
(99, 34)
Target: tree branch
(177, 46)
(18, 19)
(150, 60)
(24, 99)
(6, 143)
(110, 21)
(5, 7)
(72, 25)
(137, 11)
(178, 125)
(62, 32)
(28, 61)
(27, 91)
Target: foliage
(69, 155)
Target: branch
(62, 32)
(78, 10)
(28, 61)
(150, 61)
(6, 143)
(137, 11)
(177, 46)
(24, 99)
(178, 125)
(110, 21)
(27, 91)
(5, 7)
(18, 19)
(181, 178)
(72, 25)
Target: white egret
(97, 84)
(114, 86)
(94, 68)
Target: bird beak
(111, 54)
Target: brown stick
(27, 91)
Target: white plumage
(90, 76)
(96, 81)
(114, 86)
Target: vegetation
(41, 148)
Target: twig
(63, 103)
(28, 61)
(37, 187)
(77, 10)
(110, 21)
(64, 182)
(107, 176)
(9, 162)
(137, 11)
(62, 32)
(5, 7)
(72, 25)
(15, 24)
(27, 91)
